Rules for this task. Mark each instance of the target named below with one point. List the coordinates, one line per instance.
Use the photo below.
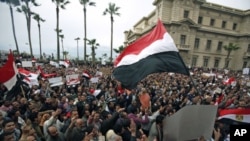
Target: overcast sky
(72, 24)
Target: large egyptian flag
(8, 73)
(152, 53)
(235, 115)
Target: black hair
(89, 129)
(6, 121)
(117, 129)
(126, 122)
(159, 119)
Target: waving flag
(152, 53)
(8, 73)
(29, 77)
(65, 63)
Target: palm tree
(59, 4)
(25, 9)
(13, 3)
(38, 19)
(119, 50)
(94, 46)
(85, 3)
(111, 10)
(62, 37)
(229, 48)
(77, 39)
(104, 55)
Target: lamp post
(62, 36)
(77, 39)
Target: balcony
(183, 47)
(247, 55)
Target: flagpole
(22, 91)
(195, 86)
(189, 75)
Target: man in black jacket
(108, 123)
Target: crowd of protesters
(73, 113)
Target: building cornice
(145, 18)
(227, 33)
(225, 9)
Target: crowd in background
(74, 113)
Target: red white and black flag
(152, 53)
(236, 115)
(12, 80)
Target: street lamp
(77, 39)
(62, 36)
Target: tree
(94, 46)
(119, 50)
(85, 3)
(111, 10)
(59, 4)
(13, 3)
(104, 55)
(38, 19)
(229, 48)
(25, 9)
(62, 37)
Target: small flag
(239, 115)
(229, 81)
(65, 63)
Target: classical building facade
(200, 31)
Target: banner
(73, 79)
(190, 122)
(27, 64)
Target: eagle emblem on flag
(239, 117)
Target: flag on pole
(8, 73)
(152, 53)
(238, 115)
(11, 80)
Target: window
(234, 26)
(200, 20)
(183, 39)
(224, 23)
(205, 62)
(196, 43)
(216, 63)
(219, 47)
(212, 22)
(208, 47)
(194, 61)
(244, 64)
(248, 49)
(186, 13)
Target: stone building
(200, 31)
